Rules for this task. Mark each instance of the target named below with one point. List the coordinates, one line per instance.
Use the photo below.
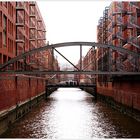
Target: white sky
(71, 21)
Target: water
(73, 114)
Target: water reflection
(73, 114)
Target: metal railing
(20, 5)
(20, 37)
(136, 4)
(20, 21)
(119, 35)
(134, 41)
(133, 21)
(119, 19)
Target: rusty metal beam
(33, 72)
(65, 44)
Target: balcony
(32, 3)
(114, 37)
(44, 30)
(124, 42)
(126, 26)
(115, 13)
(124, 57)
(20, 6)
(122, 12)
(20, 46)
(119, 35)
(113, 24)
(32, 13)
(136, 4)
(32, 37)
(39, 20)
(135, 41)
(39, 29)
(133, 22)
(20, 22)
(119, 19)
(20, 38)
(119, 4)
(41, 38)
(110, 16)
(119, 66)
(134, 63)
(32, 26)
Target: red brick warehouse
(22, 28)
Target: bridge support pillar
(46, 93)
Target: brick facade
(22, 28)
(120, 26)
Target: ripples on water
(73, 114)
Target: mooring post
(46, 92)
(95, 92)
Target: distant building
(66, 77)
(89, 64)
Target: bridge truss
(4, 68)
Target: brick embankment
(18, 94)
(122, 95)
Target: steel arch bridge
(77, 71)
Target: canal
(73, 114)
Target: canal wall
(122, 95)
(18, 94)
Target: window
(8, 45)
(4, 58)
(9, 7)
(4, 31)
(8, 26)
(0, 39)
(12, 11)
(12, 29)
(129, 32)
(0, 18)
(5, 4)
(0, 58)
(138, 13)
(138, 32)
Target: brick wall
(124, 92)
(16, 90)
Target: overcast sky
(72, 21)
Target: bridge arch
(66, 44)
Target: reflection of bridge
(4, 67)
